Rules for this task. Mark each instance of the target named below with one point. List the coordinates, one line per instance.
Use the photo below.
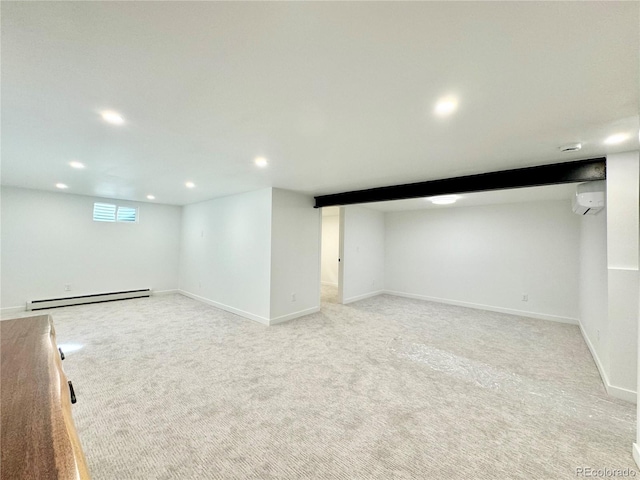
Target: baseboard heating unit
(83, 299)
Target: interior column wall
(636, 446)
(623, 198)
(295, 256)
(225, 257)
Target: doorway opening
(330, 261)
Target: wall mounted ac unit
(589, 198)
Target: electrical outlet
(293, 297)
(525, 297)
(67, 287)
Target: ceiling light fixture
(190, 185)
(446, 106)
(444, 199)
(77, 165)
(571, 147)
(151, 197)
(112, 117)
(61, 186)
(261, 162)
(616, 138)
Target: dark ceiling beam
(568, 172)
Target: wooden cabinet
(38, 439)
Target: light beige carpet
(169, 388)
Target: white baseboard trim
(226, 308)
(622, 393)
(165, 292)
(291, 316)
(331, 284)
(362, 297)
(250, 316)
(490, 308)
(617, 392)
(10, 310)
(636, 454)
(596, 358)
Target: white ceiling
(338, 96)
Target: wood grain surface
(38, 439)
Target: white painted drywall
(593, 288)
(362, 253)
(636, 445)
(488, 257)
(623, 197)
(623, 331)
(622, 207)
(50, 239)
(330, 249)
(225, 255)
(295, 256)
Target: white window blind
(127, 214)
(104, 212)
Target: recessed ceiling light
(112, 117)
(444, 199)
(571, 147)
(76, 165)
(61, 186)
(190, 185)
(261, 162)
(446, 106)
(616, 138)
(151, 197)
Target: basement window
(104, 212)
(107, 212)
(127, 214)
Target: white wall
(295, 256)
(488, 257)
(636, 445)
(50, 239)
(593, 288)
(330, 249)
(363, 235)
(622, 205)
(623, 214)
(225, 256)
